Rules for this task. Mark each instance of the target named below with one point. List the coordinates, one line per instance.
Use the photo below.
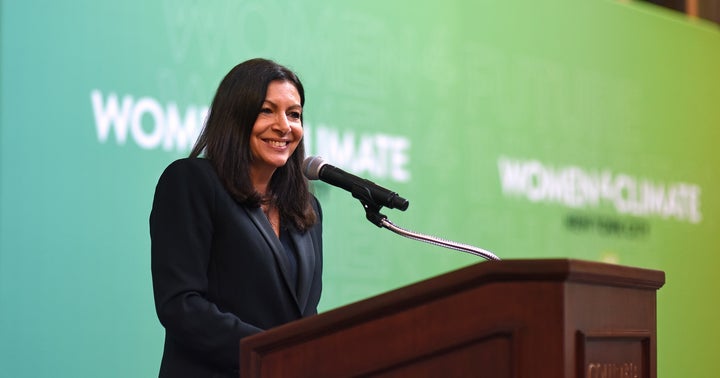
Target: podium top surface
(570, 270)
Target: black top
(290, 254)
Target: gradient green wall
(560, 128)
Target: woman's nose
(282, 124)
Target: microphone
(314, 168)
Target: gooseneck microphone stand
(372, 213)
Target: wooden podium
(515, 318)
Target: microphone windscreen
(311, 167)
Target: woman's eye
(266, 111)
(294, 115)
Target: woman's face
(278, 128)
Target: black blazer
(219, 271)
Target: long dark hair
(225, 141)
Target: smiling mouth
(277, 143)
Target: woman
(236, 235)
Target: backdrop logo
(152, 125)
(146, 121)
(579, 188)
(377, 154)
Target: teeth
(277, 143)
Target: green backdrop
(581, 129)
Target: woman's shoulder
(189, 166)
(189, 169)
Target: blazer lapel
(265, 228)
(306, 265)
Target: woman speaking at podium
(236, 235)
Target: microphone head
(311, 167)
